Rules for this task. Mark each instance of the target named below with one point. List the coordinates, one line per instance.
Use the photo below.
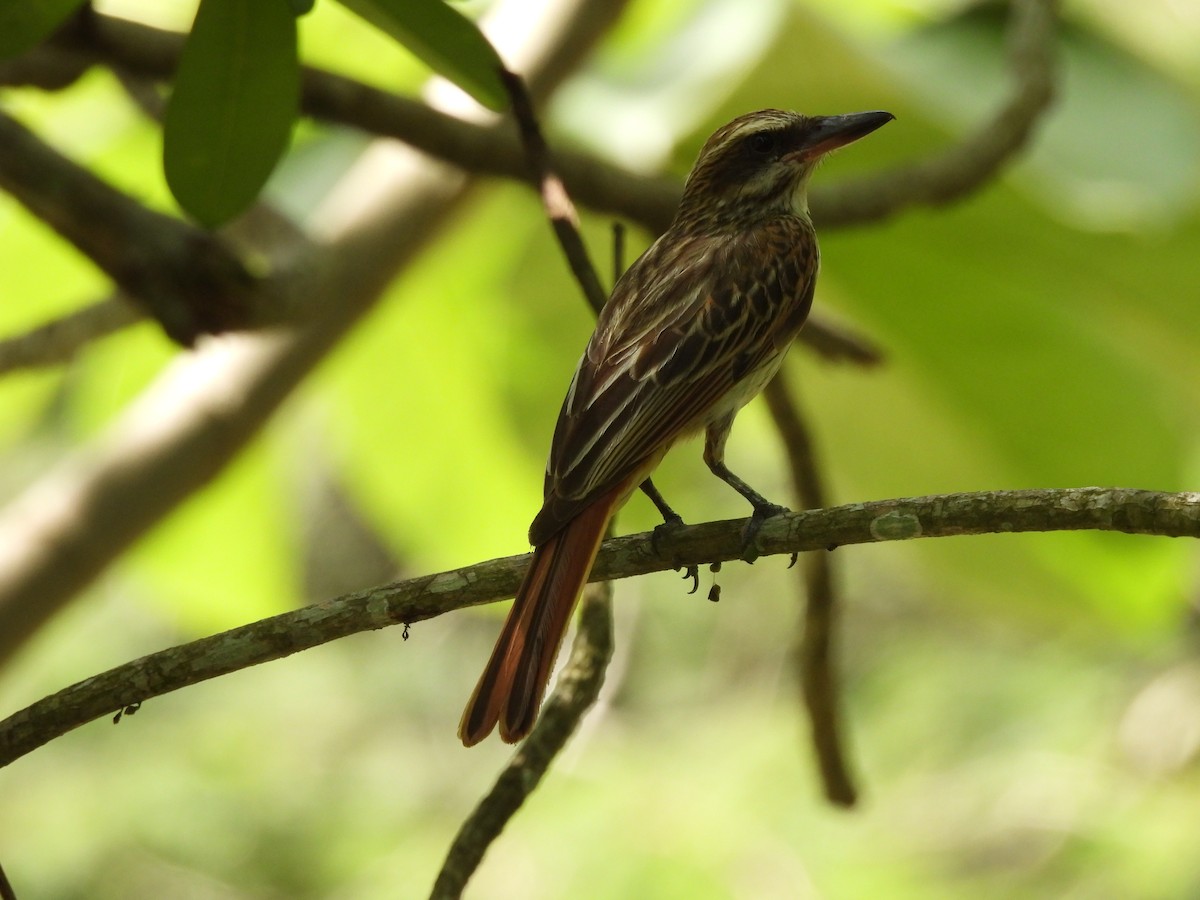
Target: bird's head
(760, 162)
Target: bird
(691, 332)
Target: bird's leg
(672, 522)
(714, 457)
(671, 519)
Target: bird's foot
(664, 532)
(762, 512)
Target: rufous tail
(512, 685)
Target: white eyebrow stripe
(761, 123)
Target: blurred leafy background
(1025, 710)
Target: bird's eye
(763, 143)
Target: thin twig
(836, 342)
(60, 340)
(555, 200)
(815, 649)
(575, 692)
(1125, 510)
(579, 685)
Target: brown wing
(689, 320)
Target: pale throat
(797, 197)
(791, 196)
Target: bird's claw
(666, 531)
(750, 549)
(692, 572)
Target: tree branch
(651, 201)
(962, 169)
(556, 201)
(58, 341)
(574, 694)
(182, 276)
(181, 433)
(581, 680)
(600, 185)
(836, 342)
(414, 600)
(815, 650)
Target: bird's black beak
(826, 133)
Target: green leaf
(235, 98)
(444, 39)
(301, 7)
(25, 24)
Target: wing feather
(690, 319)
